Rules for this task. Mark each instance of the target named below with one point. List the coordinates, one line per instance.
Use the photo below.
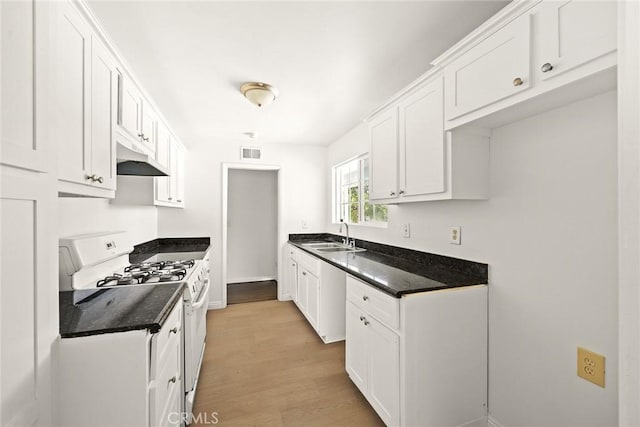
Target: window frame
(336, 197)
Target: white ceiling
(333, 62)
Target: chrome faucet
(346, 240)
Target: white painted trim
(250, 279)
(507, 14)
(214, 305)
(479, 422)
(224, 204)
(628, 214)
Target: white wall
(77, 215)
(549, 235)
(252, 219)
(302, 195)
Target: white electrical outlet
(454, 237)
(305, 225)
(406, 230)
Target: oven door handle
(204, 296)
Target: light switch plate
(406, 230)
(305, 225)
(454, 236)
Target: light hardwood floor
(265, 366)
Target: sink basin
(341, 249)
(331, 247)
(319, 245)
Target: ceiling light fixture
(259, 93)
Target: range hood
(132, 162)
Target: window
(351, 194)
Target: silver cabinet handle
(179, 201)
(401, 192)
(517, 81)
(293, 265)
(366, 322)
(146, 139)
(393, 193)
(141, 135)
(89, 177)
(173, 379)
(546, 67)
(100, 179)
(173, 330)
(365, 298)
(304, 273)
(169, 198)
(361, 318)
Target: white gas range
(97, 261)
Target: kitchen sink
(331, 247)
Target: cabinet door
(19, 145)
(163, 156)
(383, 370)
(173, 168)
(383, 156)
(180, 172)
(292, 276)
(73, 62)
(129, 108)
(496, 68)
(149, 124)
(422, 141)
(103, 113)
(313, 300)
(356, 347)
(573, 33)
(302, 289)
(28, 297)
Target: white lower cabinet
(290, 290)
(420, 360)
(320, 294)
(127, 378)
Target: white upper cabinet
(572, 33)
(20, 147)
(129, 108)
(383, 155)
(422, 142)
(413, 159)
(529, 58)
(85, 82)
(495, 69)
(137, 119)
(169, 190)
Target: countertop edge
(153, 327)
(372, 283)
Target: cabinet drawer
(166, 340)
(383, 307)
(310, 263)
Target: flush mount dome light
(259, 93)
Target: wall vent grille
(250, 153)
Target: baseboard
(250, 279)
(214, 305)
(492, 422)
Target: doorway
(250, 233)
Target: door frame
(225, 207)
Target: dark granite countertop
(117, 309)
(171, 249)
(398, 271)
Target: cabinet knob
(366, 322)
(293, 265)
(173, 330)
(173, 379)
(546, 67)
(179, 201)
(361, 318)
(365, 298)
(304, 273)
(146, 139)
(517, 81)
(89, 177)
(169, 198)
(401, 192)
(393, 193)
(141, 135)
(100, 179)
